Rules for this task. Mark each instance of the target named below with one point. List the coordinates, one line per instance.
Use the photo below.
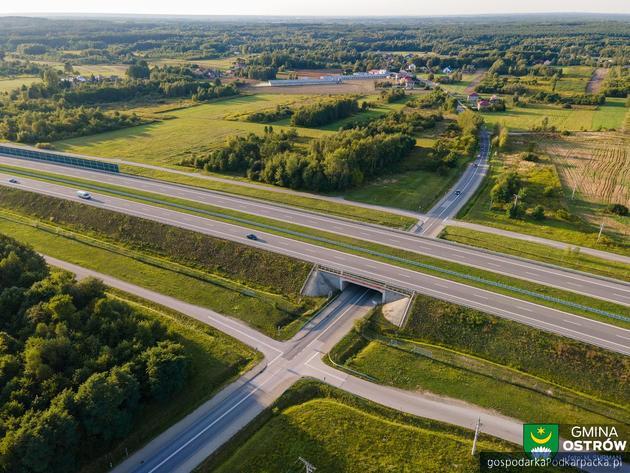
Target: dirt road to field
(595, 84)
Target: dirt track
(595, 84)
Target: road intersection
(187, 443)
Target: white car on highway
(84, 195)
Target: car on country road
(251, 236)
(458, 192)
(13, 180)
(84, 195)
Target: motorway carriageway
(545, 318)
(602, 288)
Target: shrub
(538, 213)
(618, 209)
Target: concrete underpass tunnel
(325, 282)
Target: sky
(313, 7)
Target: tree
(618, 209)
(139, 70)
(43, 443)
(106, 403)
(166, 369)
(67, 68)
(515, 211)
(51, 79)
(507, 185)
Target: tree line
(346, 159)
(325, 112)
(76, 366)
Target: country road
(187, 443)
(460, 193)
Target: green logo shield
(541, 440)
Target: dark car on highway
(251, 236)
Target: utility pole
(308, 467)
(601, 229)
(573, 193)
(515, 199)
(477, 428)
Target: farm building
(299, 82)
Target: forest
(76, 366)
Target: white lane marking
(574, 323)
(209, 426)
(245, 334)
(525, 308)
(479, 296)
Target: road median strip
(557, 298)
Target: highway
(614, 291)
(569, 325)
(187, 443)
(448, 206)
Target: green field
(465, 354)
(415, 190)
(574, 80)
(337, 432)
(215, 357)
(537, 251)
(183, 133)
(7, 85)
(608, 116)
(416, 372)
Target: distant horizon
(321, 8)
(48, 14)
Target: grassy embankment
(462, 353)
(337, 432)
(564, 220)
(199, 269)
(386, 254)
(216, 359)
(537, 251)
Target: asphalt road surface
(187, 443)
(448, 206)
(556, 321)
(614, 291)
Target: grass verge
(537, 251)
(492, 373)
(541, 294)
(216, 359)
(337, 432)
(346, 210)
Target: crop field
(580, 118)
(7, 85)
(597, 166)
(548, 183)
(574, 80)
